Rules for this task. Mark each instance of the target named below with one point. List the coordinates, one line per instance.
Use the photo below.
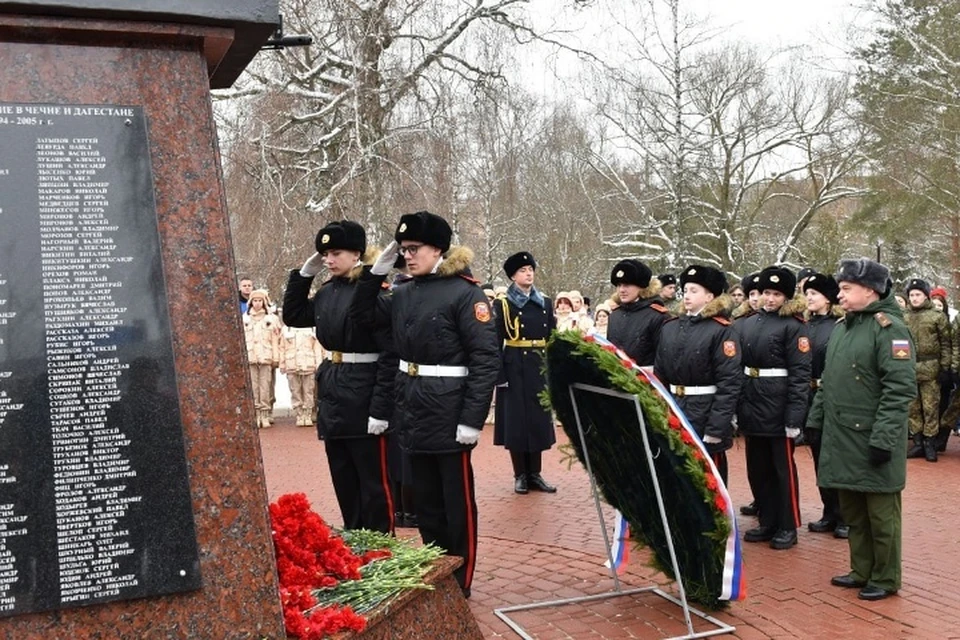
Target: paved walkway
(542, 547)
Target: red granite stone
(164, 69)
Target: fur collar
(719, 306)
(793, 307)
(456, 261)
(742, 310)
(368, 258)
(835, 312)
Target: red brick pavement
(542, 547)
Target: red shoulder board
(659, 307)
(721, 320)
(800, 318)
(671, 319)
(469, 279)
(385, 285)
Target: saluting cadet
(822, 314)
(931, 334)
(445, 336)
(524, 322)
(355, 380)
(869, 380)
(773, 404)
(635, 325)
(699, 358)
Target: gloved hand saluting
(467, 435)
(385, 262)
(375, 426)
(312, 266)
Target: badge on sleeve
(729, 348)
(901, 349)
(803, 344)
(481, 311)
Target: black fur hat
(778, 279)
(517, 260)
(667, 279)
(711, 279)
(806, 272)
(425, 227)
(917, 283)
(631, 271)
(823, 284)
(750, 282)
(865, 272)
(342, 235)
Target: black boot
(916, 451)
(537, 483)
(930, 449)
(942, 436)
(520, 484)
(749, 509)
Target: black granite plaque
(94, 496)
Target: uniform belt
(339, 357)
(433, 370)
(680, 390)
(754, 372)
(525, 344)
(816, 383)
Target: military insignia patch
(620, 273)
(325, 239)
(729, 348)
(803, 344)
(901, 349)
(482, 311)
(403, 227)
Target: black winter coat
(347, 393)
(699, 351)
(635, 328)
(444, 319)
(774, 341)
(522, 424)
(819, 329)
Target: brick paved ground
(543, 547)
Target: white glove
(792, 432)
(312, 266)
(711, 440)
(467, 435)
(386, 260)
(376, 426)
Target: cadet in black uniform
(823, 311)
(635, 325)
(698, 357)
(445, 336)
(355, 380)
(524, 322)
(775, 353)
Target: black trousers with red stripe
(447, 507)
(358, 467)
(772, 475)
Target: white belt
(338, 357)
(680, 390)
(433, 370)
(753, 372)
(647, 369)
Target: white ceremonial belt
(433, 370)
(647, 369)
(338, 357)
(753, 372)
(680, 390)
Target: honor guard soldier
(355, 380)
(698, 357)
(444, 333)
(869, 380)
(524, 322)
(773, 404)
(823, 312)
(750, 285)
(931, 333)
(635, 325)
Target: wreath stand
(721, 627)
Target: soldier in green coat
(931, 333)
(868, 382)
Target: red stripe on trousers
(385, 479)
(791, 475)
(471, 526)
